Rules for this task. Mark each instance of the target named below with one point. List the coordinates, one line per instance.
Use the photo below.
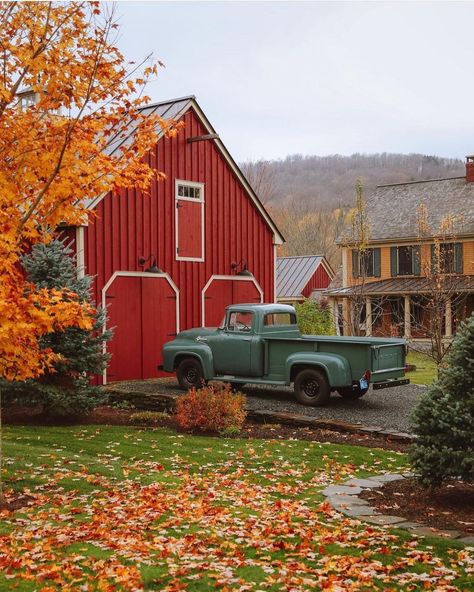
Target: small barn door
(222, 291)
(142, 312)
(189, 204)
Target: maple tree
(66, 147)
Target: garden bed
(448, 507)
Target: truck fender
(202, 353)
(335, 367)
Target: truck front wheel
(312, 388)
(189, 374)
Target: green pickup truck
(261, 344)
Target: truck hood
(193, 333)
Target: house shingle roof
(392, 210)
(293, 273)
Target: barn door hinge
(172, 334)
(177, 250)
(207, 297)
(109, 296)
(172, 297)
(178, 205)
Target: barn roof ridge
(169, 101)
(421, 181)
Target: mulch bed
(448, 507)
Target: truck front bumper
(388, 383)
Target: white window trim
(225, 277)
(135, 274)
(176, 218)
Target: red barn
(302, 277)
(174, 259)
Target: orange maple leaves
(72, 145)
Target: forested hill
(316, 182)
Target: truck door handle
(199, 338)
(246, 339)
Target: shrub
(211, 409)
(444, 417)
(148, 417)
(66, 391)
(314, 318)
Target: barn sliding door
(222, 291)
(142, 313)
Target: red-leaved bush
(211, 409)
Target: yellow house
(419, 251)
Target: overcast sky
(278, 78)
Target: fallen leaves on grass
(250, 522)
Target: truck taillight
(366, 375)
(406, 369)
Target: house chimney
(469, 169)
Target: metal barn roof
(293, 273)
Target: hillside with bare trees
(310, 196)
(327, 182)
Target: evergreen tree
(444, 417)
(67, 392)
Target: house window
(447, 258)
(366, 263)
(405, 260)
(189, 221)
(27, 100)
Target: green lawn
(425, 371)
(128, 509)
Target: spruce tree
(444, 417)
(68, 391)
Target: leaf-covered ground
(124, 509)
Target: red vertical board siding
(127, 225)
(319, 280)
(68, 235)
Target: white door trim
(238, 278)
(117, 274)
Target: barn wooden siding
(128, 224)
(318, 281)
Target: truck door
(231, 347)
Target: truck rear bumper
(388, 383)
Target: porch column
(368, 316)
(335, 314)
(407, 318)
(346, 316)
(449, 319)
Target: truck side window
(279, 319)
(240, 321)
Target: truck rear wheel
(349, 392)
(189, 374)
(312, 388)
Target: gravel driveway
(389, 408)
(386, 408)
